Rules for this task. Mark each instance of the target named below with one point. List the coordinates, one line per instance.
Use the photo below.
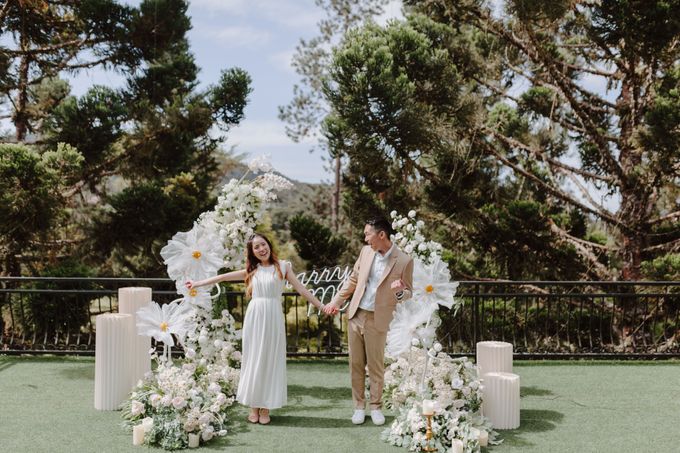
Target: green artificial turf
(47, 406)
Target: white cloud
(238, 36)
(283, 61)
(238, 7)
(293, 160)
(294, 14)
(392, 11)
(253, 134)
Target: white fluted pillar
(129, 301)
(501, 400)
(111, 365)
(494, 356)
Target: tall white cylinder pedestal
(494, 356)
(129, 301)
(112, 375)
(501, 400)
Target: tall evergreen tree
(312, 60)
(512, 93)
(149, 159)
(44, 38)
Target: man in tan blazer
(381, 278)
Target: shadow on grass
(85, 372)
(531, 421)
(534, 391)
(308, 422)
(334, 394)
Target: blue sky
(259, 36)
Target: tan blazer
(399, 266)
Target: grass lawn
(47, 406)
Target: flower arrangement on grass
(419, 369)
(174, 401)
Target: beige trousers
(366, 347)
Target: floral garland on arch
(419, 369)
(173, 402)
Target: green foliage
(149, 161)
(31, 191)
(315, 242)
(473, 119)
(50, 313)
(665, 267)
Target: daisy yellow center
(164, 326)
(429, 288)
(196, 254)
(193, 292)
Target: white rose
(208, 433)
(393, 214)
(166, 400)
(179, 403)
(218, 344)
(202, 340)
(422, 247)
(190, 353)
(154, 399)
(412, 213)
(136, 408)
(438, 347)
(204, 419)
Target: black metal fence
(541, 319)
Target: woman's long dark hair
(252, 261)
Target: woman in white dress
(262, 385)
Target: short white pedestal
(501, 400)
(129, 301)
(494, 356)
(111, 366)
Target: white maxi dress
(263, 363)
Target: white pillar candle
(483, 438)
(501, 400)
(428, 407)
(456, 446)
(194, 440)
(129, 301)
(494, 356)
(138, 435)
(111, 364)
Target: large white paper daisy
(432, 283)
(196, 254)
(161, 322)
(197, 297)
(409, 318)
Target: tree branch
(582, 249)
(553, 190)
(554, 162)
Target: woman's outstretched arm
(234, 276)
(300, 288)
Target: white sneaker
(359, 416)
(377, 417)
